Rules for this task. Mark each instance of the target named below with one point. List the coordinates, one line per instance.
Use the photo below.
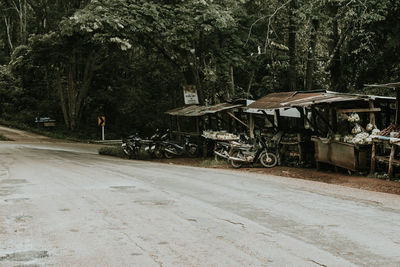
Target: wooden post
(371, 114)
(197, 125)
(387, 114)
(205, 148)
(397, 119)
(378, 118)
(323, 118)
(391, 158)
(276, 118)
(302, 120)
(373, 154)
(333, 118)
(179, 129)
(251, 126)
(299, 147)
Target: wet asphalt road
(64, 205)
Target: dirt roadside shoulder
(23, 136)
(360, 182)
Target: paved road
(64, 205)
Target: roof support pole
(397, 119)
(391, 158)
(236, 118)
(271, 122)
(371, 114)
(277, 118)
(333, 118)
(251, 126)
(322, 117)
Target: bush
(3, 138)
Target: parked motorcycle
(172, 149)
(223, 149)
(246, 154)
(131, 146)
(154, 145)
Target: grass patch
(115, 151)
(3, 138)
(209, 163)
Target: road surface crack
(235, 223)
(320, 264)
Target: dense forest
(129, 59)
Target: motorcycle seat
(237, 144)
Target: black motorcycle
(131, 146)
(172, 149)
(246, 154)
(154, 145)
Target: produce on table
(354, 117)
(357, 129)
(219, 135)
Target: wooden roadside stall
(330, 117)
(194, 119)
(276, 123)
(386, 142)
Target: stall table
(345, 155)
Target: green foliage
(3, 138)
(128, 59)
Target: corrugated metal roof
(196, 111)
(304, 99)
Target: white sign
(190, 94)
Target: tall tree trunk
(74, 90)
(311, 55)
(7, 22)
(292, 46)
(61, 95)
(232, 82)
(250, 83)
(335, 66)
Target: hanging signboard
(190, 95)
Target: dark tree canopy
(129, 59)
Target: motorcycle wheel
(158, 153)
(192, 151)
(218, 158)
(236, 164)
(169, 155)
(268, 160)
(126, 151)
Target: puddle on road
(17, 200)
(136, 254)
(6, 191)
(13, 181)
(28, 265)
(22, 218)
(25, 255)
(155, 202)
(65, 209)
(128, 189)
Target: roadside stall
(338, 124)
(281, 127)
(195, 120)
(385, 142)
